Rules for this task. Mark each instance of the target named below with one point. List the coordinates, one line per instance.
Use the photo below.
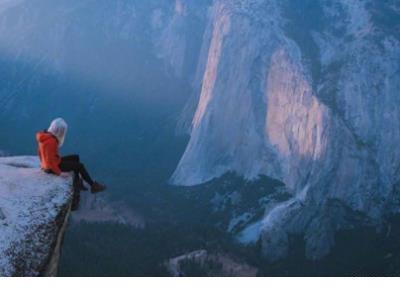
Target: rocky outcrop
(305, 93)
(34, 211)
(203, 263)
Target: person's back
(49, 142)
(48, 152)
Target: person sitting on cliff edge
(49, 142)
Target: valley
(264, 133)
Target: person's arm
(52, 157)
(39, 154)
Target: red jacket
(48, 152)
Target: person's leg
(72, 163)
(78, 182)
(73, 158)
(85, 175)
(78, 168)
(68, 163)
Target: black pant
(73, 163)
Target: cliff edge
(34, 210)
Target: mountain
(286, 113)
(304, 92)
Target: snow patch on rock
(30, 203)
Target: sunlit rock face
(305, 92)
(227, 129)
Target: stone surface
(210, 264)
(34, 207)
(306, 93)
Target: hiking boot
(82, 186)
(96, 188)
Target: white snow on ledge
(30, 202)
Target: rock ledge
(34, 211)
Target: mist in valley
(96, 65)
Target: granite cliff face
(34, 210)
(304, 93)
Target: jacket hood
(58, 128)
(43, 136)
